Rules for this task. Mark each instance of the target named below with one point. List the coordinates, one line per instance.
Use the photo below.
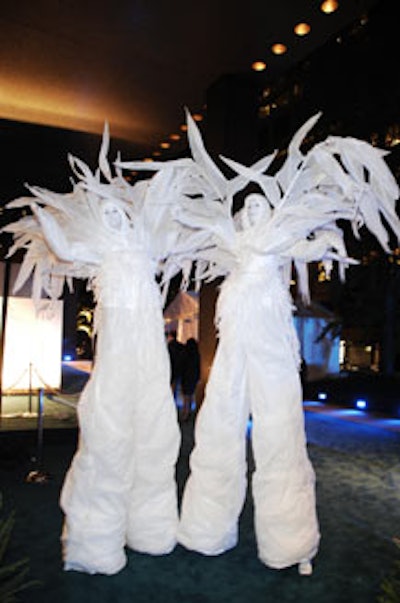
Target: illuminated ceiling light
(197, 117)
(175, 137)
(279, 49)
(259, 66)
(183, 127)
(156, 153)
(329, 6)
(165, 145)
(148, 159)
(302, 29)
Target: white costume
(256, 366)
(255, 372)
(120, 489)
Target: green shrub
(13, 576)
(391, 584)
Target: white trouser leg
(123, 474)
(283, 483)
(215, 491)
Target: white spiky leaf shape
(340, 178)
(183, 213)
(294, 155)
(199, 197)
(66, 236)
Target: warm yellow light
(197, 117)
(329, 6)
(259, 66)
(264, 111)
(165, 145)
(183, 127)
(42, 101)
(33, 345)
(175, 137)
(148, 159)
(279, 48)
(302, 29)
(156, 154)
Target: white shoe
(305, 568)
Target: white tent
(182, 316)
(321, 352)
(32, 338)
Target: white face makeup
(113, 217)
(256, 207)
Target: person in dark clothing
(190, 375)
(303, 373)
(175, 350)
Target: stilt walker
(291, 222)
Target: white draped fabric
(255, 372)
(120, 489)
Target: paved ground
(358, 496)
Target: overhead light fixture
(279, 48)
(165, 145)
(197, 117)
(259, 66)
(302, 29)
(329, 6)
(183, 127)
(175, 137)
(156, 153)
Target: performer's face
(113, 216)
(256, 207)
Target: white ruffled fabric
(255, 372)
(120, 489)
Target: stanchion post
(37, 475)
(6, 286)
(39, 455)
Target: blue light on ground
(347, 412)
(390, 423)
(67, 357)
